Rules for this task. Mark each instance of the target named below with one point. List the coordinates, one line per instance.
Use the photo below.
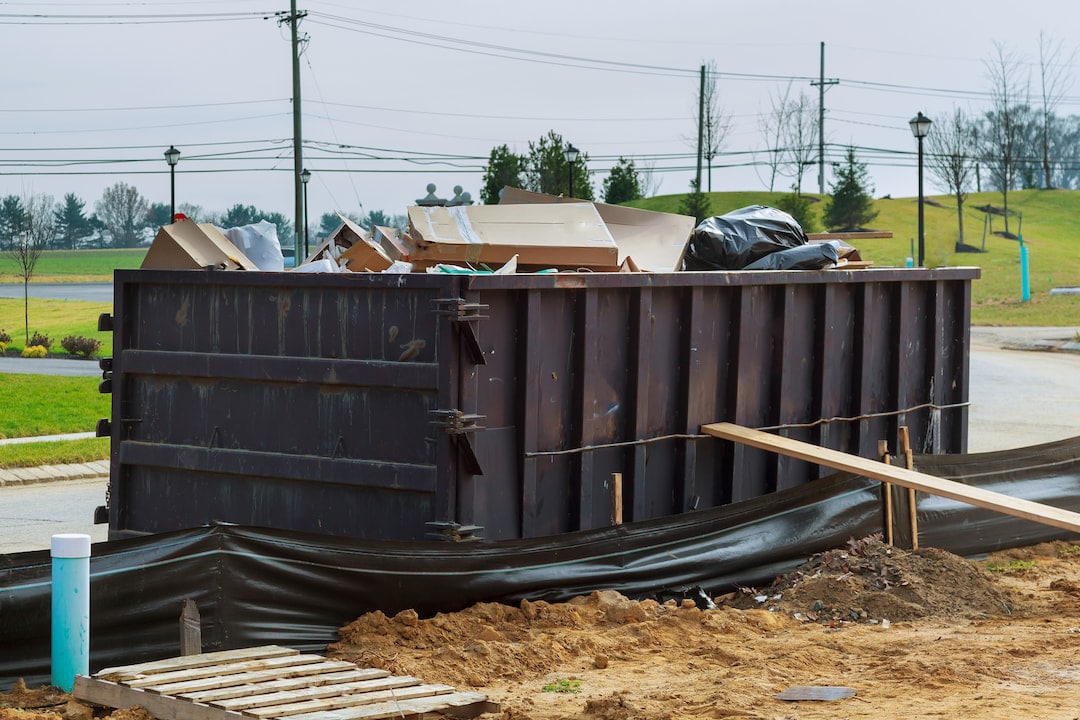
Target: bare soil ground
(916, 634)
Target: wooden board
(1036, 512)
(268, 683)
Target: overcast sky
(397, 95)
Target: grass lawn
(1049, 231)
(74, 265)
(57, 319)
(54, 453)
(35, 405)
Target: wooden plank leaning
(911, 479)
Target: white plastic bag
(259, 241)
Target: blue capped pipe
(1025, 279)
(70, 608)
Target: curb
(52, 473)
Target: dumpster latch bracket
(463, 315)
(454, 532)
(459, 425)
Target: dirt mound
(870, 581)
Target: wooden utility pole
(821, 83)
(298, 152)
(700, 125)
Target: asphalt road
(95, 292)
(31, 514)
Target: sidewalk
(50, 473)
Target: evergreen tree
(623, 183)
(547, 171)
(159, 214)
(799, 206)
(504, 169)
(12, 219)
(695, 203)
(72, 225)
(851, 206)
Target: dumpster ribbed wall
(373, 405)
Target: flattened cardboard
(571, 235)
(187, 245)
(654, 240)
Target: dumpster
(421, 406)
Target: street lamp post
(172, 156)
(920, 128)
(305, 175)
(571, 154)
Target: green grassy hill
(1051, 231)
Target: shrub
(799, 207)
(5, 339)
(80, 345)
(39, 339)
(35, 351)
(3, 348)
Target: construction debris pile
(872, 582)
(525, 232)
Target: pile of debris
(525, 232)
(870, 581)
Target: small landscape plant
(80, 345)
(41, 340)
(1069, 550)
(563, 686)
(1013, 566)
(5, 339)
(35, 351)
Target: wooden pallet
(269, 682)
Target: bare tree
(951, 156)
(1003, 133)
(799, 140)
(36, 231)
(714, 124)
(650, 181)
(773, 125)
(123, 211)
(1054, 82)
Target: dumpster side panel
(277, 400)
(373, 406)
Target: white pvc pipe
(70, 608)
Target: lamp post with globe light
(920, 128)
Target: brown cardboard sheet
(187, 245)
(653, 240)
(567, 236)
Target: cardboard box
(364, 254)
(571, 235)
(187, 245)
(654, 240)
(387, 239)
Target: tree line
(121, 218)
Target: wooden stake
(190, 629)
(883, 451)
(616, 498)
(909, 463)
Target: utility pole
(820, 84)
(700, 125)
(298, 152)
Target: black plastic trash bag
(812, 256)
(741, 238)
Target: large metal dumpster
(407, 406)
